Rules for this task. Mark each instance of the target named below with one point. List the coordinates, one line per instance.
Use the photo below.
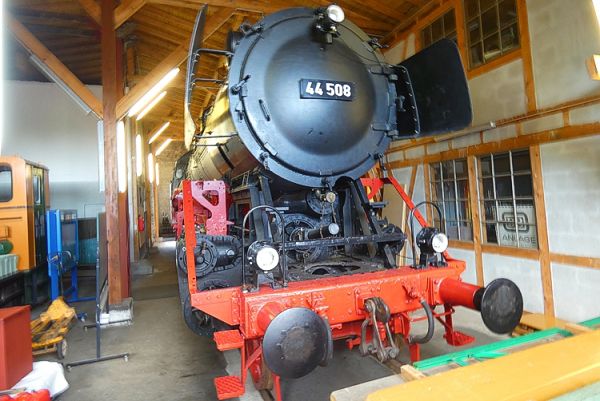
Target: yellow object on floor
(539, 373)
(49, 330)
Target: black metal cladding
(310, 141)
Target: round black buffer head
(296, 342)
(501, 306)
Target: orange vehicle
(24, 199)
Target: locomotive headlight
(267, 258)
(430, 240)
(439, 242)
(335, 13)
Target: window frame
(514, 198)
(8, 168)
(505, 56)
(468, 218)
(429, 26)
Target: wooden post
(542, 231)
(476, 218)
(111, 191)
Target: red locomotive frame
(338, 300)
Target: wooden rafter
(254, 5)
(126, 9)
(92, 8)
(36, 48)
(392, 38)
(122, 13)
(173, 60)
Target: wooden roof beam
(253, 5)
(36, 48)
(126, 9)
(397, 34)
(173, 60)
(92, 8)
(122, 13)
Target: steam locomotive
(282, 248)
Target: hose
(430, 326)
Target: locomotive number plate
(321, 89)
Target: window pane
(437, 191)
(523, 186)
(471, 8)
(449, 193)
(492, 29)
(443, 27)
(490, 233)
(37, 194)
(463, 189)
(452, 229)
(506, 214)
(6, 191)
(448, 169)
(510, 38)
(474, 29)
(489, 211)
(476, 55)
(489, 22)
(437, 30)
(491, 47)
(488, 188)
(435, 172)
(507, 10)
(501, 164)
(455, 211)
(521, 161)
(449, 23)
(463, 210)
(486, 4)
(466, 231)
(450, 211)
(425, 37)
(461, 168)
(508, 220)
(486, 166)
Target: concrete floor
(169, 362)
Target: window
(450, 192)
(492, 29)
(443, 27)
(37, 190)
(6, 190)
(506, 197)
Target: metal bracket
(378, 313)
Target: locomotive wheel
(197, 321)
